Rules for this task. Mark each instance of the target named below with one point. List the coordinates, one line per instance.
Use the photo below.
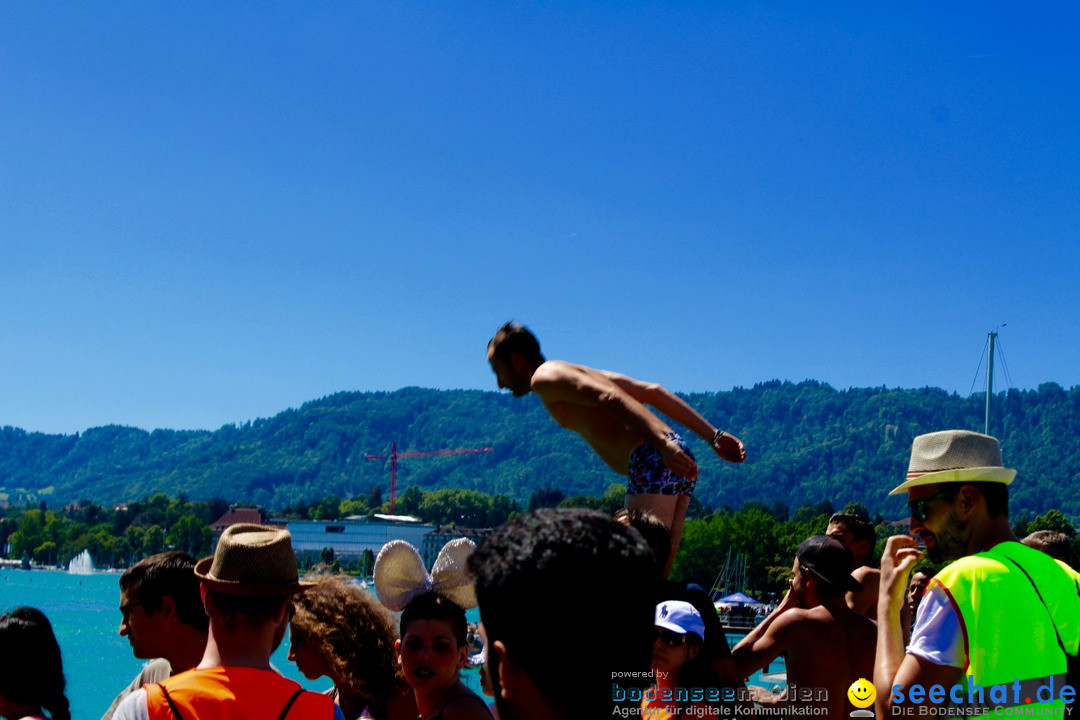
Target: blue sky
(212, 212)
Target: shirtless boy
(608, 410)
(825, 644)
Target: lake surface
(98, 664)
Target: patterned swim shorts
(650, 476)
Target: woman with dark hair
(341, 631)
(31, 671)
(433, 647)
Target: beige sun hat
(953, 456)
(251, 559)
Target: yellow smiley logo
(861, 693)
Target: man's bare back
(822, 649)
(574, 395)
(830, 650)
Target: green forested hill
(805, 441)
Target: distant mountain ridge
(805, 442)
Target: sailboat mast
(989, 378)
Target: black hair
(861, 527)
(925, 568)
(172, 574)
(433, 606)
(552, 559)
(516, 338)
(700, 672)
(31, 668)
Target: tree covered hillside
(806, 442)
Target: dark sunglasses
(919, 508)
(126, 610)
(671, 638)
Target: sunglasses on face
(126, 610)
(670, 638)
(919, 508)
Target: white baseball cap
(680, 617)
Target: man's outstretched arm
(726, 445)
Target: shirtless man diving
(608, 410)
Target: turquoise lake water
(97, 662)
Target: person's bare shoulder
(792, 620)
(865, 574)
(551, 378)
(865, 601)
(553, 371)
(815, 615)
(559, 381)
(466, 707)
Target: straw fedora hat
(952, 456)
(253, 560)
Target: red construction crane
(394, 455)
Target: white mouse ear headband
(400, 575)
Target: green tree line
(114, 537)
(761, 538)
(805, 441)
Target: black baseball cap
(830, 560)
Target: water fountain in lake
(81, 564)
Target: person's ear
(508, 674)
(463, 657)
(865, 546)
(168, 607)
(518, 363)
(969, 498)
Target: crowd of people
(577, 615)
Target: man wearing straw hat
(246, 590)
(995, 628)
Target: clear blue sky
(212, 212)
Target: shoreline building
(351, 537)
(433, 541)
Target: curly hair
(355, 634)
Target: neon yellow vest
(1008, 634)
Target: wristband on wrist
(716, 438)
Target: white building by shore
(349, 538)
